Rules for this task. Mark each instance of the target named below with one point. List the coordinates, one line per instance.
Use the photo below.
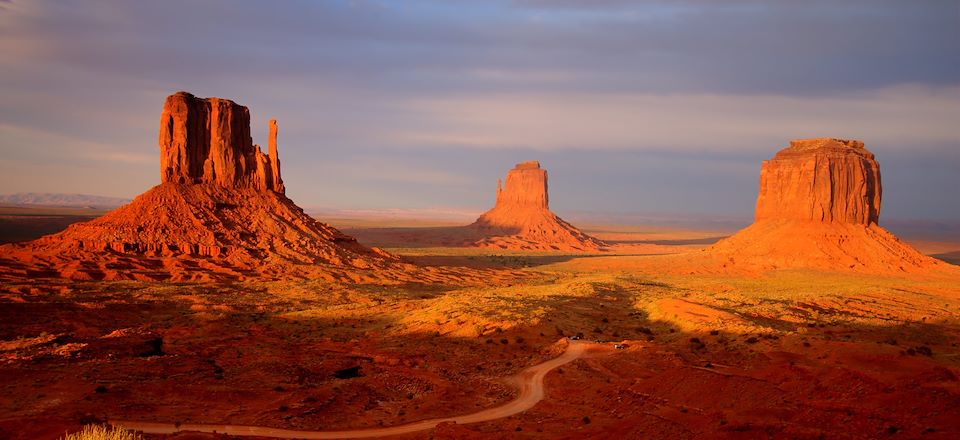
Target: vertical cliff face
(822, 180)
(526, 186)
(208, 141)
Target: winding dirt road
(531, 391)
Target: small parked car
(573, 338)
(620, 346)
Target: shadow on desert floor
(418, 237)
(950, 257)
(493, 260)
(274, 354)
(674, 242)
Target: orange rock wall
(818, 208)
(822, 180)
(526, 185)
(208, 141)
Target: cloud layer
(424, 103)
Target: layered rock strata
(824, 180)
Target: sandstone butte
(819, 207)
(219, 213)
(522, 220)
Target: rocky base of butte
(522, 220)
(196, 232)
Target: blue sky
(655, 106)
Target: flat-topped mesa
(821, 180)
(818, 208)
(526, 185)
(208, 141)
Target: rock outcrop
(825, 180)
(522, 220)
(220, 213)
(208, 141)
(819, 207)
(526, 188)
(276, 182)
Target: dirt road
(529, 380)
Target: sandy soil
(23, 223)
(797, 354)
(529, 382)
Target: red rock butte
(208, 141)
(219, 213)
(522, 220)
(819, 207)
(827, 180)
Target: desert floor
(798, 354)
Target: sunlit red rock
(827, 180)
(220, 213)
(818, 207)
(208, 141)
(521, 218)
(525, 188)
(276, 182)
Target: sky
(652, 106)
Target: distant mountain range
(60, 199)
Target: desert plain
(799, 353)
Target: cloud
(421, 102)
(922, 117)
(775, 47)
(381, 170)
(43, 161)
(48, 146)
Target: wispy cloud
(49, 146)
(384, 170)
(914, 115)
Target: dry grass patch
(101, 432)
